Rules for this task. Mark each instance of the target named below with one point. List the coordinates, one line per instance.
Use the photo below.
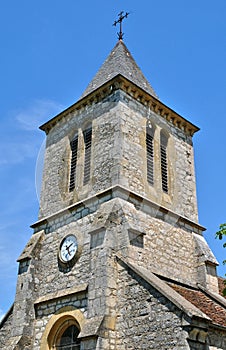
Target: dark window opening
(68, 340)
(23, 266)
(74, 155)
(136, 239)
(87, 162)
(150, 158)
(164, 163)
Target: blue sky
(51, 49)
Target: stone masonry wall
(102, 232)
(118, 157)
(46, 310)
(168, 250)
(181, 197)
(146, 319)
(217, 340)
(104, 121)
(5, 332)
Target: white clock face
(68, 248)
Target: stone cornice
(140, 203)
(62, 294)
(121, 83)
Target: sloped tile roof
(120, 61)
(214, 310)
(165, 289)
(194, 302)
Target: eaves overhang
(119, 82)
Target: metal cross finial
(121, 18)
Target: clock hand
(69, 248)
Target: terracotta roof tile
(203, 302)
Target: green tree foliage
(221, 234)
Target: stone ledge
(62, 294)
(140, 203)
(205, 253)
(91, 327)
(96, 326)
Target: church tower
(118, 259)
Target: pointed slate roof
(120, 61)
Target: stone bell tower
(117, 259)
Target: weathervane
(121, 18)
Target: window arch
(62, 330)
(81, 147)
(164, 161)
(67, 337)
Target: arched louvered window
(164, 161)
(69, 339)
(74, 156)
(150, 153)
(87, 161)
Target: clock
(68, 248)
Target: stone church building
(117, 260)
